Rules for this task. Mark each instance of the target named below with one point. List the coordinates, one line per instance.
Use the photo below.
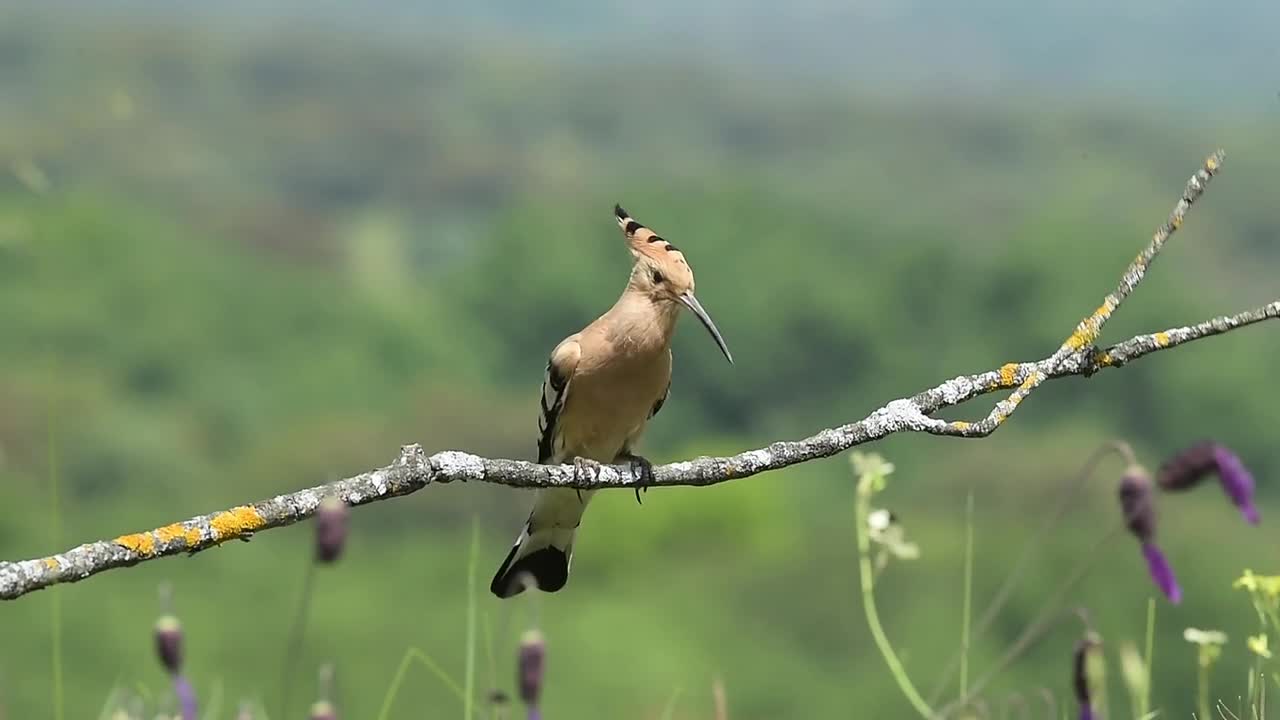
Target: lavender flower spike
(331, 529)
(1161, 572)
(1236, 481)
(1137, 502)
(1193, 464)
(186, 697)
(1188, 467)
(530, 665)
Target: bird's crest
(643, 241)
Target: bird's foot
(583, 467)
(642, 469)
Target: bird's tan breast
(611, 397)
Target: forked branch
(414, 469)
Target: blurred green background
(247, 250)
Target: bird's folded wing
(555, 388)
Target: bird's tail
(542, 553)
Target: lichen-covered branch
(1087, 331)
(414, 469)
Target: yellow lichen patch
(1104, 359)
(236, 522)
(1079, 339)
(1211, 163)
(51, 563)
(1162, 339)
(1008, 373)
(169, 533)
(192, 536)
(960, 425)
(141, 543)
(1087, 331)
(1177, 221)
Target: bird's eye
(657, 278)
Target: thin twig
(414, 469)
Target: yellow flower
(1268, 585)
(1247, 581)
(1258, 644)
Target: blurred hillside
(1171, 55)
(236, 263)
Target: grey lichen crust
(414, 469)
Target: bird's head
(662, 273)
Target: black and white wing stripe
(555, 387)
(658, 405)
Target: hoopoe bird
(601, 387)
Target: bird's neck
(641, 322)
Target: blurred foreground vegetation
(232, 265)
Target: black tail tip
(546, 569)
(619, 212)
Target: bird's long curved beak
(692, 303)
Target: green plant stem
(1043, 621)
(968, 597)
(1202, 692)
(1262, 694)
(469, 677)
(1144, 705)
(296, 633)
(873, 617)
(486, 631)
(55, 601)
(415, 654)
(1066, 494)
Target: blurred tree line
(234, 264)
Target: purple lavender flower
(168, 632)
(168, 635)
(1237, 482)
(186, 696)
(1162, 573)
(331, 528)
(1189, 467)
(1137, 502)
(531, 663)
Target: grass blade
(968, 597)
(469, 678)
(55, 600)
(409, 656)
(669, 710)
(1145, 707)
